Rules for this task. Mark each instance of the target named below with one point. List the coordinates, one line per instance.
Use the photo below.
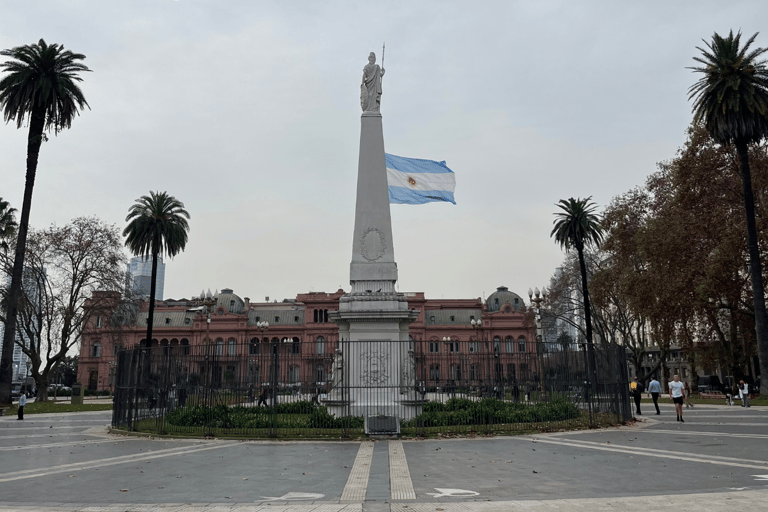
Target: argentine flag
(417, 181)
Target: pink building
(443, 336)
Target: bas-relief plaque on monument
(373, 244)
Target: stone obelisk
(378, 378)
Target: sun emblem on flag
(411, 181)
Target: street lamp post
(208, 300)
(537, 298)
(477, 325)
(263, 326)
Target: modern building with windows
(443, 336)
(140, 276)
(20, 362)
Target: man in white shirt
(677, 394)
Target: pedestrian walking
(688, 396)
(637, 389)
(262, 397)
(744, 390)
(654, 388)
(677, 394)
(22, 403)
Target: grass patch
(48, 407)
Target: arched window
(320, 373)
(315, 315)
(185, 346)
(253, 347)
(295, 346)
(521, 344)
(509, 344)
(96, 351)
(325, 316)
(219, 347)
(320, 345)
(293, 374)
(496, 345)
(231, 347)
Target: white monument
(377, 378)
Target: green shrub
(461, 411)
(321, 418)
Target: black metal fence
(306, 390)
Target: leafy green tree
(40, 85)
(731, 100)
(157, 224)
(577, 227)
(7, 223)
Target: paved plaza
(717, 460)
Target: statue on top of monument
(370, 90)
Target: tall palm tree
(7, 223)
(40, 85)
(577, 227)
(731, 101)
(157, 224)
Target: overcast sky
(249, 113)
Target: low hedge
(304, 414)
(461, 411)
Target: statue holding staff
(370, 90)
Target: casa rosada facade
(442, 334)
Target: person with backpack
(637, 389)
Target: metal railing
(416, 388)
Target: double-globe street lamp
(477, 325)
(537, 298)
(263, 326)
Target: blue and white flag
(417, 181)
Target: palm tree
(41, 86)
(731, 101)
(7, 223)
(157, 224)
(576, 226)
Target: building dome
(501, 296)
(229, 301)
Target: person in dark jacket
(637, 389)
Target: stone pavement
(716, 460)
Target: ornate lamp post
(537, 298)
(477, 325)
(207, 300)
(263, 326)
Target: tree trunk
(587, 319)
(152, 289)
(755, 267)
(34, 139)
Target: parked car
(710, 384)
(15, 392)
